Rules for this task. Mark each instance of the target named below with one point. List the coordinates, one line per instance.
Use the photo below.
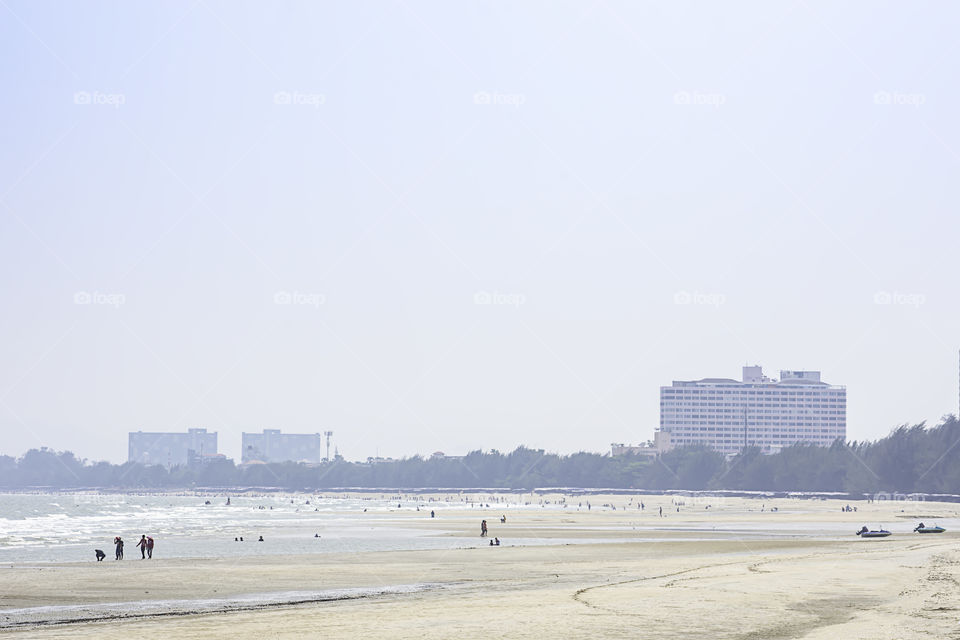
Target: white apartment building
(728, 415)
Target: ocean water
(68, 527)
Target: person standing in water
(118, 541)
(142, 544)
(149, 547)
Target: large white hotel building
(728, 415)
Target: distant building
(619, 449)
(661, 443)
(171, 449)
(273, 446)
(728, 415)
(440, 455)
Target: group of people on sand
(483, 531)
(145, 544)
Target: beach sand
(730, 571)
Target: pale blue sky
(243, 216)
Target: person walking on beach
(142, 543)
(149, 547)
(483, 528)
(118, 541)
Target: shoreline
(396, 492)
(39, 617)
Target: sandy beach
(720, 568)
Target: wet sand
(730, 571)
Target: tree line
(911, 459)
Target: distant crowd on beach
(146, 543)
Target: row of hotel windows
(774, 402)
(739, 407)
(792, 437)
(791, 415)
(751, 405)
(736, 444)
(703, 426)
(738, 426)
(688, 432)
(748, 391)
(823, 438)
(739, 414)
(755, 436)
(738, 419)
(667, 393)
(751, 389)
(753, 418)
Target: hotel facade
(728, 415)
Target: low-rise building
(652, 448)
(274, 446)
(171, 449)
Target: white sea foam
(35, 529)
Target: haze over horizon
(428, 227)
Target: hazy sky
(450, 226)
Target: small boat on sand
(866, 533)
(924, 529)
